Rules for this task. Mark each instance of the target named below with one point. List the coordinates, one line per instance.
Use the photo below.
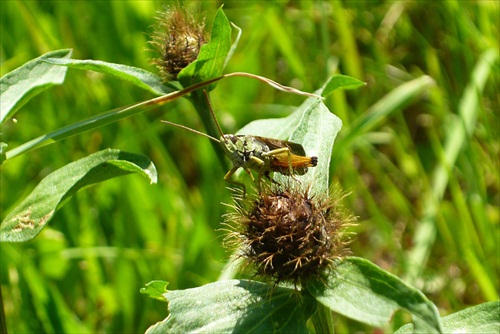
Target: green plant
(366, 269)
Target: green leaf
(362, 291)
(339, 81)
(20, 85)
(314, 127)
(317, 131)
(213, 55)
(155, 290)
(138, 76)
(32, 214)
(236, 306)
(483, 318)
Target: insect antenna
(192, 130)
(212, 113)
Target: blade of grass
(395, 100)
(460, 129)
(351, 58)
(283, 41)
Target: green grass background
(84, 271)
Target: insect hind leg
(281, 151)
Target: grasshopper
(261, 154)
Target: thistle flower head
(177, 39)
(287, 234)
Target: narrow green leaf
(483, 318)
(126, 111)
(101, 120)
(339, 81)
(236, 306)
(138, 76)
(32, 214)
(155, 290)
(234, 45)
(20, 85)
(362, 291)
(213, 55)
(284, 41)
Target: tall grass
(422, 170)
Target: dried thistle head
(287, 234)
(177, 38)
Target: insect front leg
(261, 167)
(231, 172)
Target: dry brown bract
(288, 234)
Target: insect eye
(232, 138)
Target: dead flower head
(177, 38)
(287, 234)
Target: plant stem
(322, 320)
(3, 324)
(202, 107)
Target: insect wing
(295, 157)
(274, 144)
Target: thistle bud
(177, 39)
(287, 234)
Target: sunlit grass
(422, 169)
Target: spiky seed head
(177, 39)
(287, 234)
